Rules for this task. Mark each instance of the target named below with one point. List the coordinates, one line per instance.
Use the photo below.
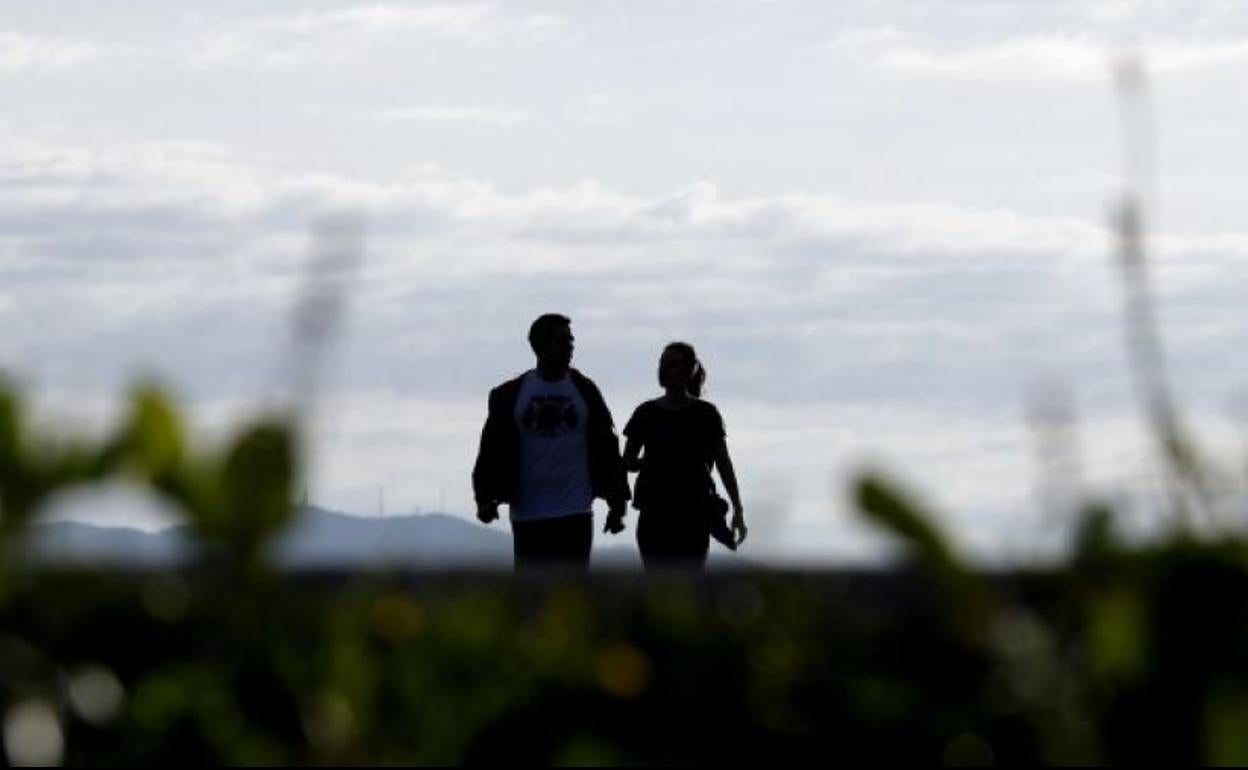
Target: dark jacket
(494, 476)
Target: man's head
(550, 336)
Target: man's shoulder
(581, 380)
(508, 389)
(590, 392)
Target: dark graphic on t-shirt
(550, 416)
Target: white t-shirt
(554, 451)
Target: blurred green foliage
(235, 499)
(1121, 655)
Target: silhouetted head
(550, 336)
(679, 368)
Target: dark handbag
(714, 510)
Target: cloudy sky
(883, 224)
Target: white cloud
(833, 328)
(1063, 57)
(194, 179)
(896, 306)
(1122, 11)
(21, 52)
(546, 23)
(338, 35)
(1041, 58)
(452, 20)
(1176, 57)
(599, 110)
(490, 116)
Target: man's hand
(615, 521)
(487, 512)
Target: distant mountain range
(320, 538)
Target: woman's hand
(739, 530)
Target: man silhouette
(547, 450)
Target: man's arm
(616, 480)
(618, 494)
(631, 463)
(484, 470)
(617, 503)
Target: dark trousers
(563, 542)
(672, 538)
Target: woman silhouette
(673, 442)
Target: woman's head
(679, 368)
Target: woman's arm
(723, 462)
(632, 454)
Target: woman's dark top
(678, 450)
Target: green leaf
(886, 506)
(11, 430)
(155, 435)
(258, 482)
